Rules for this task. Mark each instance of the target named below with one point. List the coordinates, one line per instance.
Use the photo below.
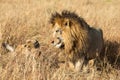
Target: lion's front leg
(77, 61)
(79, 64)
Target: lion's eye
(57, 30)
(66, 24)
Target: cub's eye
(25, 45)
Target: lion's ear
(67, 23)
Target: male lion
(80, 42)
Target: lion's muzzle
(58, 43)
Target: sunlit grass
(21, 20)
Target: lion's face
(57, 36)
(58, 31)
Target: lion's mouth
(58, 43)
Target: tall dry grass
(28, 19)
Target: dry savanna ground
(22, 20)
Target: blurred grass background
(28, 19)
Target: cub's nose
(52, 42)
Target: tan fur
(81, 42)
(28, 46)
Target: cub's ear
(67, 23)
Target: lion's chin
(60, 45)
